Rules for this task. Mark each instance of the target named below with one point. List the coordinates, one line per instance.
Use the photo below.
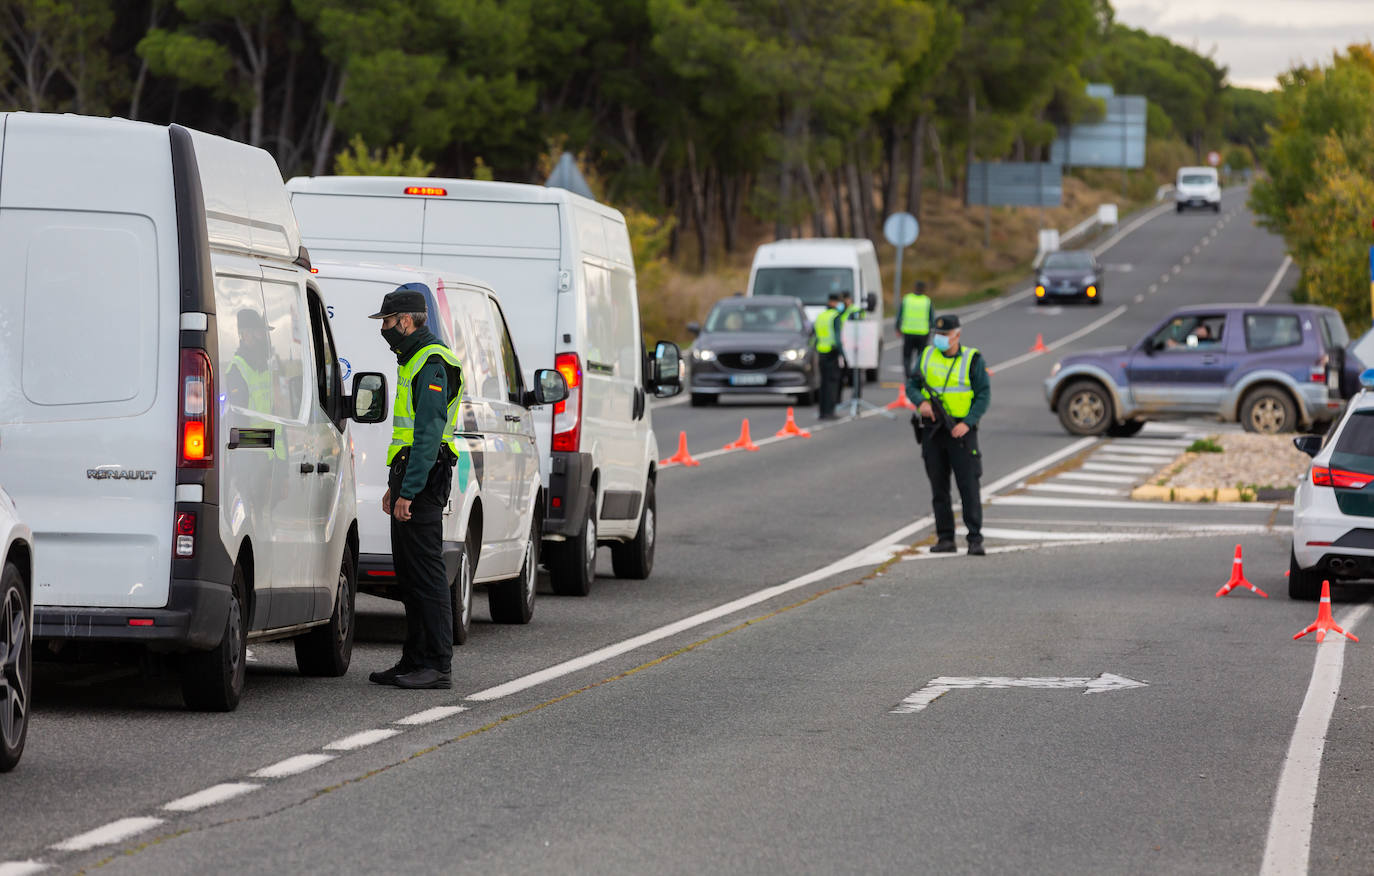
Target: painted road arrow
(938, 687)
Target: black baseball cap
(947, 322)
(406, 298)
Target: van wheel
(16, 666)
(1303, 584)
(1178, 208)
(212, 681)
(512, 602)
(572, 566)
(635, 559)
(1085, 409)
(326, 650)
(461, 593)
(1216, 208)
(1268, 411)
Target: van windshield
(811, 285)
(1196, 179)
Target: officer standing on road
(826, 337)
(913, 324)
(424, 421)
(955, 378)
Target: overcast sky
(1255, 39)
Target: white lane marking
(1274, 283)
(1117, 469)
(361, 740)
(1164, 277)
(1005, 534)
(211, 796)
(1131, 226)
(21, 868)
(1197, 247)
(1055, 502)
(1187, 259)
(609, 652)
(429, 716)
(1130, 459)
(1139, 298)
(1067, 339)
(1288, 847)
(938, 687)
(1205, 241)
(1146, 449)
(1154, 287)
(109, 833)
(292, 766)
(1177, 268)
(1078, 489)
(1098, 476)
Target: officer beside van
(826, 337)
(913, 324)
(424, 423)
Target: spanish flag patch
(436, 388)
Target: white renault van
(174, 424)
(813, 268)
(16, 632)
(1197, 187)
(562, 268)
(495, 510)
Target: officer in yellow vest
(249, 381)
(954, 378)
(826, 338)
(424, 423)
(913, 324)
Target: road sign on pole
(901, 230)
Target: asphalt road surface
(798, 687)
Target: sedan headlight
(1090, 280)
(793, 355)
(1055, 369)
(704, 355)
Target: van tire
(1304, 585)
(870, 375)
(461, 593)
(572, 563)
(512, 601)
(17, 669)
(326, 651)
(1268, 410)
(212, 681)
(635, 559)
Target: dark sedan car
(1069, 274)
(760, 344)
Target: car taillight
(196, 428)
(186, 534)
(567, 414)
(1318, 373)
(1336, 477)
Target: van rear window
(811, 285)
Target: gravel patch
(1263, 462)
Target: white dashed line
(1154, 287)
(1077, 489)
(292, 766)
(1117, 469)
(1274, 283)
(211, 796)
(429, 716)
(1177, 268)
(361, 740)
(1205, 241)
(110, 833)
(1139, 298)
(1197, 248)
(1187, 258)
(21, 868)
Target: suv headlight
(793, 355)
(1054, 370)
(703, 355)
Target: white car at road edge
(16, 633)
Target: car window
(485, 380)
(1335, 333)
(327, 383)
(1190, 331)
(744, 317)
(1354, 449)
(1195, 179)
(1364, 348)
(1073, 260)
(510, 364)
(1271, 331)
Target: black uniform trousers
(830, 382)
(944, 455)
(912, 345)
(417, 552)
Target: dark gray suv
(759, 344)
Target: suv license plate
(748, 379)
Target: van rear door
(89, 323)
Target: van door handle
(322, 468)
(307, 467)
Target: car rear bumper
(194, 618)
(377, 572)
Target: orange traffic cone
(682, 457)
(790, 428)
(1238, 578)
(902, 403)
(1324, 621)
(1039, 346)
(744, 442)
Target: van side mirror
(871, 302)
(369, 397)
(1309, 444)
(694, 327)
(665, 370)
(549, 388)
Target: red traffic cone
(791, 428)
(682, 457)
(1039, 346)
(1238, 578)
(901, 403)
(744, 442)
(1324, 621)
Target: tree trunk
(941, 179)
(969, 151)
(894, 171)
(818, 223)
(870, 222)
(697, 204)
(729, 204)
(836, 186)
(856, 210)
(918, 164)
(136, 99)
(285, 145)
(324, 151)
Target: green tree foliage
(358, 160)
(56, 56)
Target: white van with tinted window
(562, 268)
(1197, 188)
(812, 269)
(174, 423)
(495, 510)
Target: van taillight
(567, 414)
(196, 428)
(186, 534)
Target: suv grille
(748, 361)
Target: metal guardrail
(1052, 239)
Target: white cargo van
(1197, 187)
(173, 420)
(561, 266)
(812, 269)
(495, 510)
